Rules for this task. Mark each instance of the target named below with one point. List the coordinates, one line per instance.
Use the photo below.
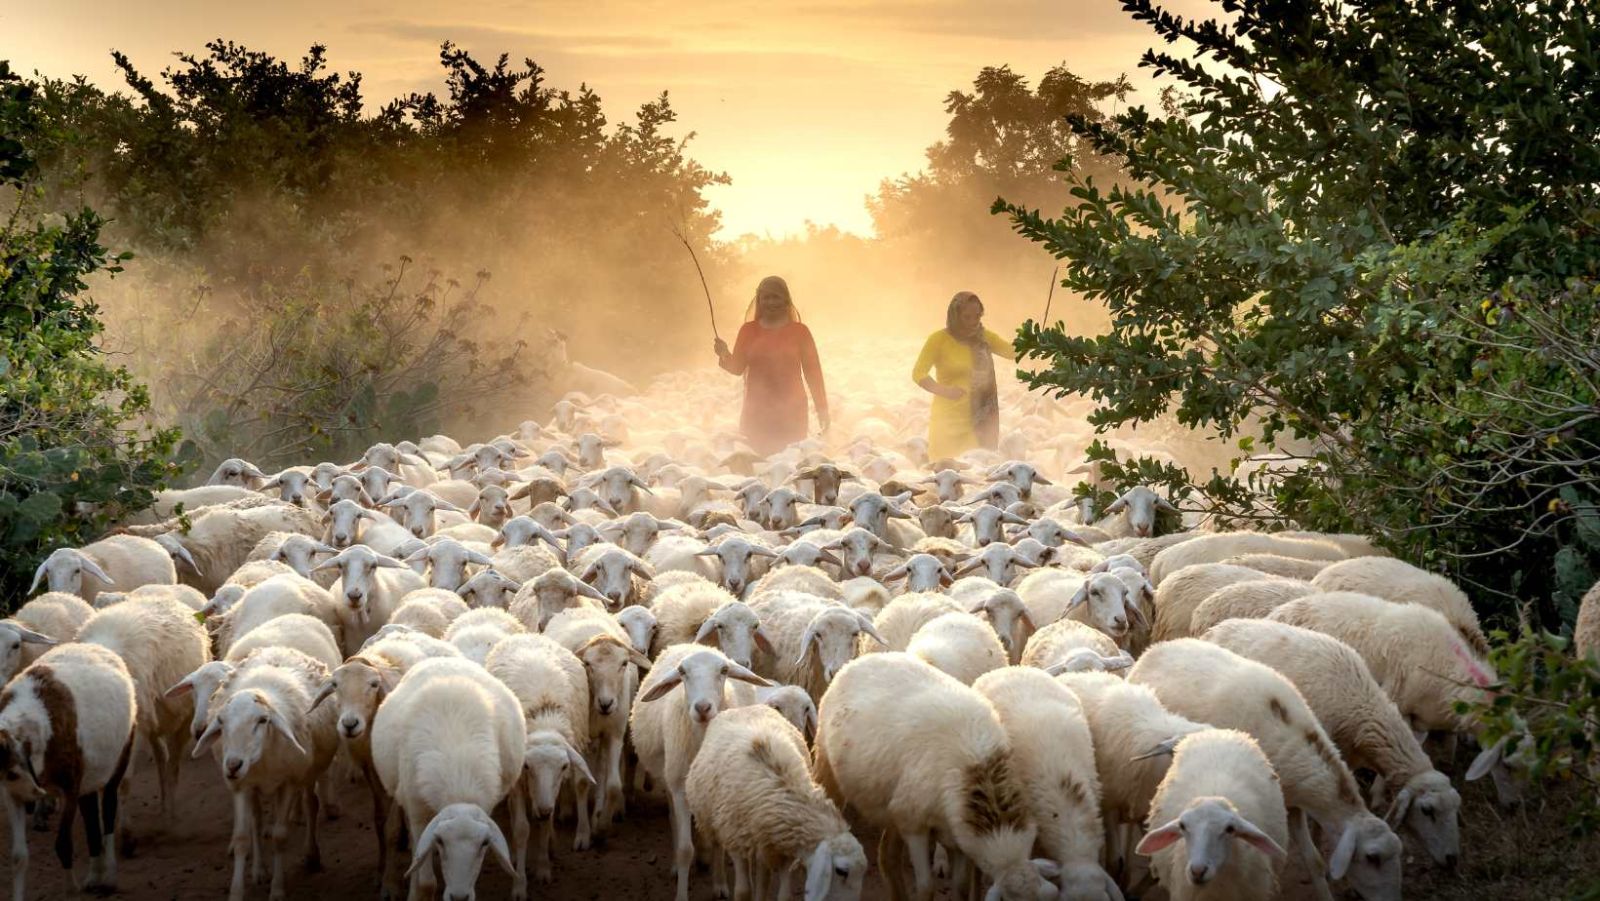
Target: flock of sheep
(1019, 693)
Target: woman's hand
(720, 347)
(951, 392)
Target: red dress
(772, 361)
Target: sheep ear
(1157, 839)
(1397, 810)
(276, 482)
(898, 572)
(1121, 661)
(31, 637)
(1163, 748)
(93, 569)
(1078, 597)
(1041, 480)
(38, 576)
(870, 629)
(1486, 760)
(1164, 504)
(763, 641)
(667, 683)
(276, 721)
(207, 738)
(387, 562)
(1343, 853)
(735, 671)
(423, 851)
(707, 629)
(323, 693)
(589, 591)
(184, 686)
(1251, 835)
(1117, 506)
(579, 765)
(807, 641)
(819, 873)
(638, 659)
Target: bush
(74, 450)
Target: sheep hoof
(581, 843)
(543, 876)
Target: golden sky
(806, 105)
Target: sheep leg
(517, 808)
(719, 871)
(380, 814)
(582, 838)
(258, 820)
(741, 878)
(682, 842)
(918, 847)
(110, 794)
(891, 862)
(19, 847)
(393, 834)
(424, 881)
(762, 883)
(283, 804)
(243, 837)
(69, 814)
(312, 804)
(89, 808)
(784, 876)
(161, 756)
(616, 802)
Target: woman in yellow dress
(966, 404)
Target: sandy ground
(1527, 854)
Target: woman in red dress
(772, 352)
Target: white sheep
(1363, 722)
(750, 791)
(220, 539)
(1134, 513)
(1218, 547)
(476, 632)
(959, 644)
(1183, 590)
(1099, 599)
(48, 620)
(297, 631)
(685, 689)
(277, 596)
(90, 688)
(1052, 751)
(550, 683)
(160, 642)
(551, 593)
(1052, 644)
(368, 590)
(1413, 651)
(798, 578)
(446, 562)
(618, 575)
(1211, 684)
(918, 754)
(1586, 630)
(272, 747)
(902, 617)
(448, 744)
(1219, 789)
(123, 562)
(612, 665)
(809, 638)
(1246, 600)
(1399, 581)
(1279, 565)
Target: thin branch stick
(698, 271)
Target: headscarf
(984, 392)
(774, 283)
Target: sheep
(1245, 600)
(1134, 513)
(708, 615)
(274, 597)
(802, 553)
(239, 473)
(809, 638)
(522, 530)
(190, 499)
(449, 745)
(638, 530)
(549, 594)
(50, 619)
(550, 683)
(124, 562)
(1279, 565)
(428, 612)
(865, 594)
(1363, 723)
(947, 484)
(476, 632)
(751, 793)
(918, 754)
(618, 575)
(1143, 550)
(1053, 753)
(620, 487)
(271, 771)
(1586, 630)
(1399, 581)
(1184, 590)
(735, 554)
(612, 665)
(922, 572)
(904, 615)
(1021, 474)
(1215, 548)
(1352, 545)
(487, 589)
(960, 644)
(937, 521)
(371, 586)
(1051, 645)
(684, 691)
(1211, 684)
(160, 642)
(1099, 599)
(999, 560)
(1008, 616)
(988, 523)
(825, 479)
(220, 539)
(67, 726)
(856, 546)
(295, 550)
(1413, 651)
(446, 562)
(297, 631)
(1219, 788)
(808, 579)
(641, 626)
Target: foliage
(252, 177)
(74, 452)
(1314, 255)
(323, 374)
(1547, 708)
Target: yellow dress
(950, 424)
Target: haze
(807, 106)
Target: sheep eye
(724, 671)
(262, 721)
(1373, 859)
(842, 871)
(1229, 830)
(1182, 828)
(1427, 811)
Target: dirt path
(1522, 855)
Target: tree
(1361, 243)
(74, 450)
